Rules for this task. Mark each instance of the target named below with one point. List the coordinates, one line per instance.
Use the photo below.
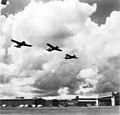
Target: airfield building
(21, 101)
(104, 99)
(109, 99)
(86, 101)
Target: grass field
(61, 111)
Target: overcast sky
(31, 72)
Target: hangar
(103, 99)
(109, 99)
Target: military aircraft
(70, 56)
(4, 2)
(85, 86)
(51, 48)
(19, 44)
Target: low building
(55, 102)
(103, 99)
(85, 101)
(21, 101)
(109, 99)
(117, 98)
(16, 102)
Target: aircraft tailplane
(17, 46)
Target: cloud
(111, 72)
(47, 16)
(104, 9)
(36, 72)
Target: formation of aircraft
(4, 2)
(19, 44)
(67, 56)
(51, 48)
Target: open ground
(61, 111)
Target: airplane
(70, 56)
(85, 86)
(19, 44)
(51, 48)
(4, 2)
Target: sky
(87, 28)
(104, 8)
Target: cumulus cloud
(35, 72)
(104, 9)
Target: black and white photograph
(59, 57)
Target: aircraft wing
(59, 49)
(50, 45)
(27, 45)
(68, 55)
(15, 41)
